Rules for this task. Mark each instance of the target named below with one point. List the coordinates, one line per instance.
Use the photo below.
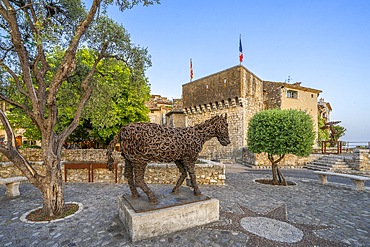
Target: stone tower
(235, 91)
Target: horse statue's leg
(139, 170)
(193, 179)
(182, 177)
(129, 174)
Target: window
(292, 94)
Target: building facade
(240, 94)
(324, 109)
(159, 106)
(166, 112)
(291, 96)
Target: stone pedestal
(173, 213)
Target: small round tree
(280, 132)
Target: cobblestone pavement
(330, 215)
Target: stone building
(158, 107)
(324, 109)
(291, 96)
(176, 117)
(166, 112)
(240, 94)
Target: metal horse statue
(144, 142)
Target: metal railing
(343, 146)
(356, 144)
(337, 147)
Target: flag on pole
(191, 70)
(240, 49)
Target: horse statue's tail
(110, 150)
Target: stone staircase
(328, 163)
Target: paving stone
(309, 203)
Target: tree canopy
(280, 132)
(118, 98)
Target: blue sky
(325, 44)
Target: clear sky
(325, 44)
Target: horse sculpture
(144, 142)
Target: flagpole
(191, 70)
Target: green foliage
(117, 99)
(20, 120)
(129, 4)
(120, 85)
(339, 132)
(280, 132)
(323, 134)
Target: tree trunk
(274, 174)
(53, 193)
(52, 184)
(281, 178)
(49, 182)
(277, 176)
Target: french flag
(240, 49)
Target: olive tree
(280, 132)
(118, 98)
(29, 31)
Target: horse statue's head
(222, 130)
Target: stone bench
(12, 185)
(359, 181)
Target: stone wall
(213, 89)
(272, 96)
(261, 160)
(209, 173)
(98, 155)
(212, 149)
(360, 160)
